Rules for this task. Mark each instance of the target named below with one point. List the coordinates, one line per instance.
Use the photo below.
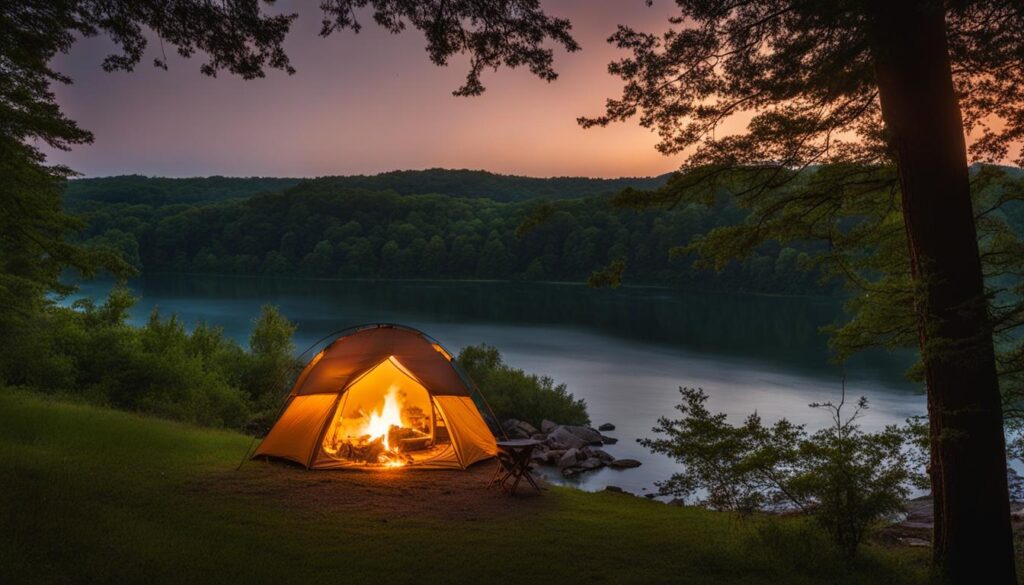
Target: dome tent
(381, 395)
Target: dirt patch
(392, 493)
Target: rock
(565, 438)
(608, 440)
(650, 496)
(513, 428)
(539, 437)
(547, 426)
(527, 428)
(606, 427)
(554, 455)
(571, 471)
(586, 434)
(602, 455)
(569, 458)
(591, 463)
(624, 463)
(617, 490)
(539, 456)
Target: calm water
(626, 351)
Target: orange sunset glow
(362, 103)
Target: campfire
(385, 435)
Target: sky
(360, 104)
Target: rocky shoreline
(573, 449)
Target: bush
(271, 365)
(90, 352)
(513, 393)
(842, 477)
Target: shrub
(842, 477)
(271, 365)
(200, 376)
(513, 393)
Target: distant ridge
(452, 182)
(484, 184)
(163, 190)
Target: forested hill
(164, 191)
(454, 183)
(320, 229)
(466, 183)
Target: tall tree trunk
(972, 534)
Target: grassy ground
(93, 495)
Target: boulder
(565, 438)
(591, 463)
(586, 434)
(617, 490)
(554, 455)
(539, 437)
(624, 463)
(608, 440)
(539, 456)
(569, 458)
(547, 426)
(514, 430)
(606, 427)
(601, 454)
(527, 428)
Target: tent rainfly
(382, 395)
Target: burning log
(365, 450)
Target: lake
(625, 351)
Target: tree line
(320, 229)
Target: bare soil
(387, 493)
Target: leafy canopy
(802, 74)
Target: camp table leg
(514, 457)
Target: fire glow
(379, 437)
(379, 423)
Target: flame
(379, 422)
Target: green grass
(90, 495)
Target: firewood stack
(364, 450)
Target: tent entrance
(386, 418)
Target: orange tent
(381, 395)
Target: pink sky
(361, 103)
